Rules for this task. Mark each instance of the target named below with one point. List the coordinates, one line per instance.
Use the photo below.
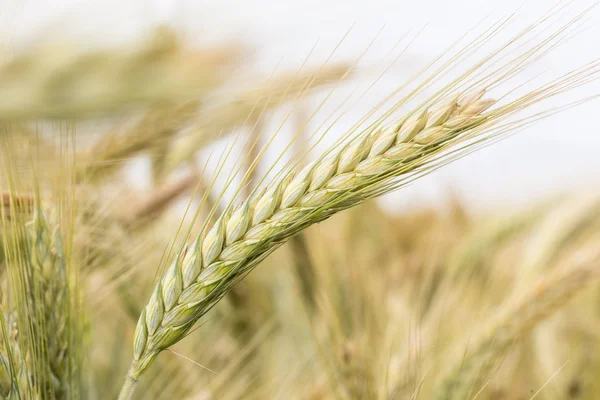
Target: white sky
(555, 155)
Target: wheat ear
(56, 82)
(49, 303)
(242, 237)
(518, 318)
(155, 130)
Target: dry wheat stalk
(157, 201)
(520, 316)
(55, 81)
(244, 236)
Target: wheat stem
(130, 383)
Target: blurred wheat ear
(44, 356)
(470, 371)
(56, 82)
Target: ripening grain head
(364, 164)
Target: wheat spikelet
(40, 361)
(13, 369)
(515, 320)
(244, 236)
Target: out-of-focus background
(115, 116)
(555, 155)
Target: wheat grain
(243, 237)
(515, 320)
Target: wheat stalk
(241, 238)
(160, 198)
(37, 262)
(157, 128)
(559, 229)
(515, 320)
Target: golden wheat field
(257, 260)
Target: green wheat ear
(44, 360)
(51, 283)
(202, 273)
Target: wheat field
(257, 261)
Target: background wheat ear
(482, 353)
(42, 336)
(49, 283)
(54, 81)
